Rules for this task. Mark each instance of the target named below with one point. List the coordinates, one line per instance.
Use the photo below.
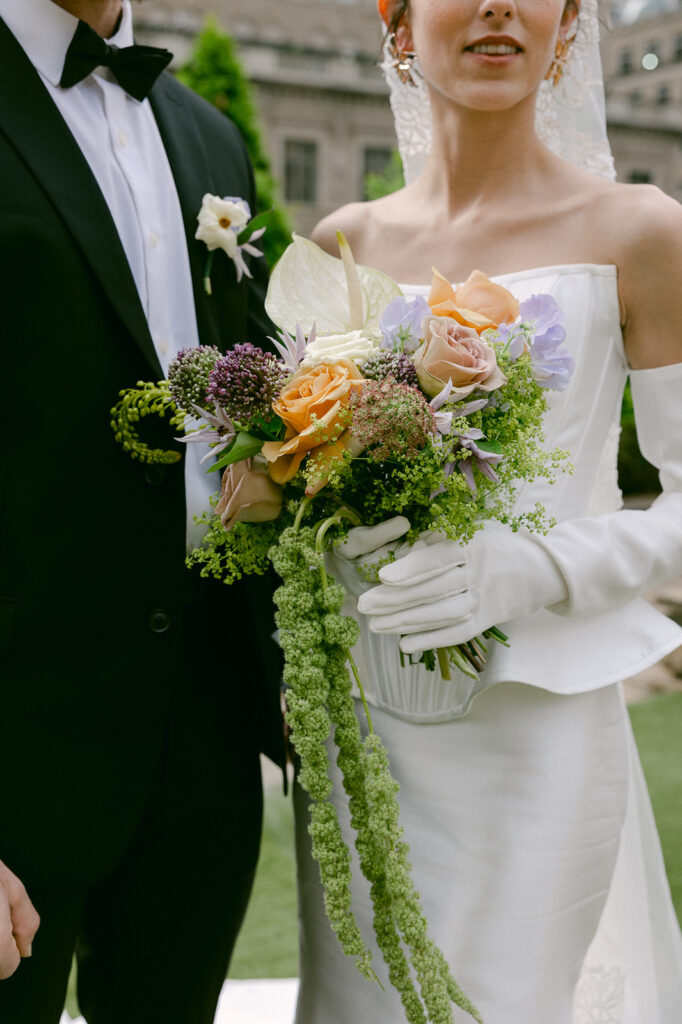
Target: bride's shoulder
(640, 222)
(645, 227)
(361, 223)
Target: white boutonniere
(226, 224)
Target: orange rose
(477, 303)
(248, 495)
(311, 405)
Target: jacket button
(159, 621)
(155, 475)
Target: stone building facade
(642, 58)
(322, 99)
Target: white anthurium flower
(354, 345)
(308, 286)
(220, 221)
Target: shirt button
(159, 621)
(153, 240)
(122, 138)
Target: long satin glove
(445, 594)
(590, 564)
(363, 547)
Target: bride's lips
(494, 50)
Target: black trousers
(154, 935)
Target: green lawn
(267, 946)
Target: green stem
(457, 657)
(300, 513)
(444, 662)
(207, 273)
(356, 676)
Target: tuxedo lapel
(38, 132)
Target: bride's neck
(480, 156)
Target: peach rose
(248, 495)
(311, 405)
(452, 352)
(478, 303)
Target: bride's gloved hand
(442, 594)
(363, 547)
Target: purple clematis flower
(401, 323)
(220, 428)
(484, 461)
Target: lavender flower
(390, 419)
(401, 323)
(189, 373)
(553, 365)
(385, 364)
(245, 382)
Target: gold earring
(558, 65)
(402, 61)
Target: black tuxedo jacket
(103, 631)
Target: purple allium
(189, 373)
(385, 364)
(401, 323)
(245, 382)
(390, 419)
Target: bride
(531, 834)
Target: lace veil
(570, 117)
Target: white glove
(583, 566)
(444, 594)
(365, 546)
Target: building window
(300, 171)
(639, 178)
(677, 52)
(635, 97)
(626, 62)
(663, 96)
(374, 160)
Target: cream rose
(355, 345)
(248, 495)
(452, 352)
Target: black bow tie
(135, 68)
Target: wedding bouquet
(377, 405)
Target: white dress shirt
(119, 138)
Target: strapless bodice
(560, 654)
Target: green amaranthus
(316, 640)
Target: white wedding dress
(522, 799)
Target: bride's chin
(486, 98)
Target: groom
(134, 697)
